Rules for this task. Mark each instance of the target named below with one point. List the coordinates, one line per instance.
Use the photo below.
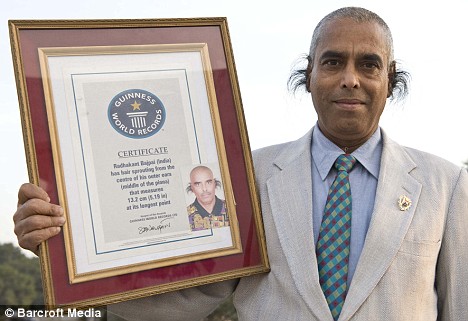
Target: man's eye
(331, 62)
(370, 65)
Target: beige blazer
(414, 264)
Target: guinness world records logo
(136, 113)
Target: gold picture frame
(117, 117)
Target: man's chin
(206, 200)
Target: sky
(429, 38)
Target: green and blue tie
(334, 237)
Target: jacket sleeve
(452, 267)
(188, 304)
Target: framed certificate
(136, 129)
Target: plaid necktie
(334, 237)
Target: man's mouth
(349, 103)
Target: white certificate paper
(129, 126)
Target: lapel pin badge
(404, 203)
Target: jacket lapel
(290, 194)
(389, 224)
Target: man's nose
(350, 77)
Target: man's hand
(36, 220)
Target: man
(207, 210)
(404, 213)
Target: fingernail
(61, 220)
(58, 210)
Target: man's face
(203, 185)
(349, 80)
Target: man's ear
(308, 71)
(391, 78)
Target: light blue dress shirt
(363, 180)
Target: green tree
(20, 279)
(16, 288)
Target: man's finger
(36, 207)
(31, 241)
(37, 223)
(30, 191)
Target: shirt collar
(324, 153)
(218, 207)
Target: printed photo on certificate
(143, 173)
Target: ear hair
(398, 82)
(308, 71)
(391, 78)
